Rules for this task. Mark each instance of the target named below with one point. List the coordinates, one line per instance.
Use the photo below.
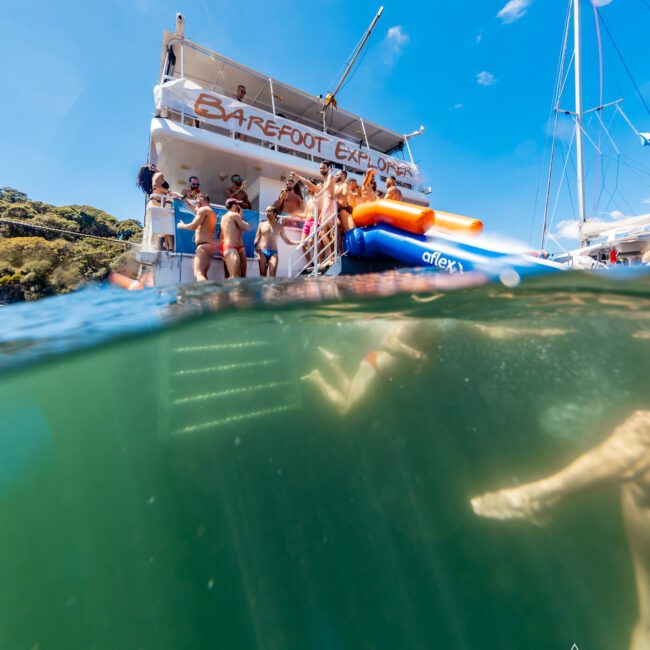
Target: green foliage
(35, 263)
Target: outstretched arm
(279, 202)
(286, 239)
(308, 184)
(195, 223)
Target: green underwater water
(184, 489)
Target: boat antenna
(578, 118)
(330, 98)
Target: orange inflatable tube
(405, 216)
(412, 218)
(466, 225)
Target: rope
(629, 73)
(559, 189)
(600, 103)
(559, 87)
(67, 232)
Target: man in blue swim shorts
(266, 242)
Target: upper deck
(197, 89)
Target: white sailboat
(602, 243)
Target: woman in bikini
(369, 187)
(152, 182)
(266, 242)
(395, 355)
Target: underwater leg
(624, 455)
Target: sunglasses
(195, 185)
(236, 179)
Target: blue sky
(78, 78)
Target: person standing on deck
(266, 242)
(354, 194)
(233, 227)
(309, 214)
(152, 182)
(325, 201)
(341, 191)
(238, 191)
(204, 225)
(392, 191)
(190, 193)
(289, 201)
(369, 187)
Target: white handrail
(313, 241)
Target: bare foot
(314, 376)
(330, 356)
(523, 502)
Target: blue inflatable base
(440, 253)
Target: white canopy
(215, 72)
(612, 229)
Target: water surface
(167, 480)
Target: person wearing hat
(238, 191)
(266, 242)
(233, 227)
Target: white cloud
(479, 36)
(616, 214)
(563, 130)
(458, 107)
(485, 78)
(514, 10)
(567, 229)
(646, 201)
(396, 39)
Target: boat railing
(164, 212)
(319, 250)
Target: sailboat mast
(579, 145)
(332, 96)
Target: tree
(36, 263)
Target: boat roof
(216, 72)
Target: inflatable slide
(420, 237)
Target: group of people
(334, 197)
(328, 201)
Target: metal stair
(214, 386)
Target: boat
(603, 244)
(201, 128)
